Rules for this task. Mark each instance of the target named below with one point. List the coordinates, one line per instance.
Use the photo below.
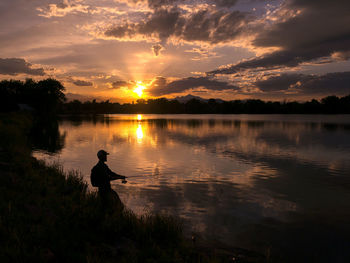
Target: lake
(276, 184)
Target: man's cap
(101, 153)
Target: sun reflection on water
(139, 133)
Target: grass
(50, 216)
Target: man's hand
(123, 179)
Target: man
(101, 177)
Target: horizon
(124, 50)
(183, 98)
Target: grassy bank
(50, 216)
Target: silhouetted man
(101, 176)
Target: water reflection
(139, 133)
(45, 136)
(252, 181)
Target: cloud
(279, 83)
(152, 4)
(202, 53)
(62, 9)
(156, 49)
(214, 26)
(121, 31)
(302, 31)
(163, 23)
(160, 3)
(14, 66)
(341, 56)
(207, 25)
(123, 84)
(160, 86)
(274, 60)
(330, 83)
(82, 83)
(156, 4)
(226, 3)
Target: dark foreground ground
(49, 216)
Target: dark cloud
(207, 25)
(229, 26)
(161, 3)
(158, 83)
(62, 5)
(213, 26)
(331, 83)
(163, 22)
(161, 87)
(14, 66)
(278, 83)
(82, 83)
(120, 31)
(308, 31)
(156, 49)
(155, 4)
(121, 83)
(317, 26)
(225, 3)
(274, 60)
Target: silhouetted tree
(312, 106)
(345, 104)
(45, 96)
(9, 95)
(331, 104)
(195, 106)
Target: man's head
(102, 155)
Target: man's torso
(102, 174)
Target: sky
(123, 50)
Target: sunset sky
(230, 49)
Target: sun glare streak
(139, 89)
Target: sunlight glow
(139, 117)
(139, 89)
(139, 133)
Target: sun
(139, 89)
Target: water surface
(277, 184)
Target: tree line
(47, 97)
(327, 105)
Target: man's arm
(113, 175)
